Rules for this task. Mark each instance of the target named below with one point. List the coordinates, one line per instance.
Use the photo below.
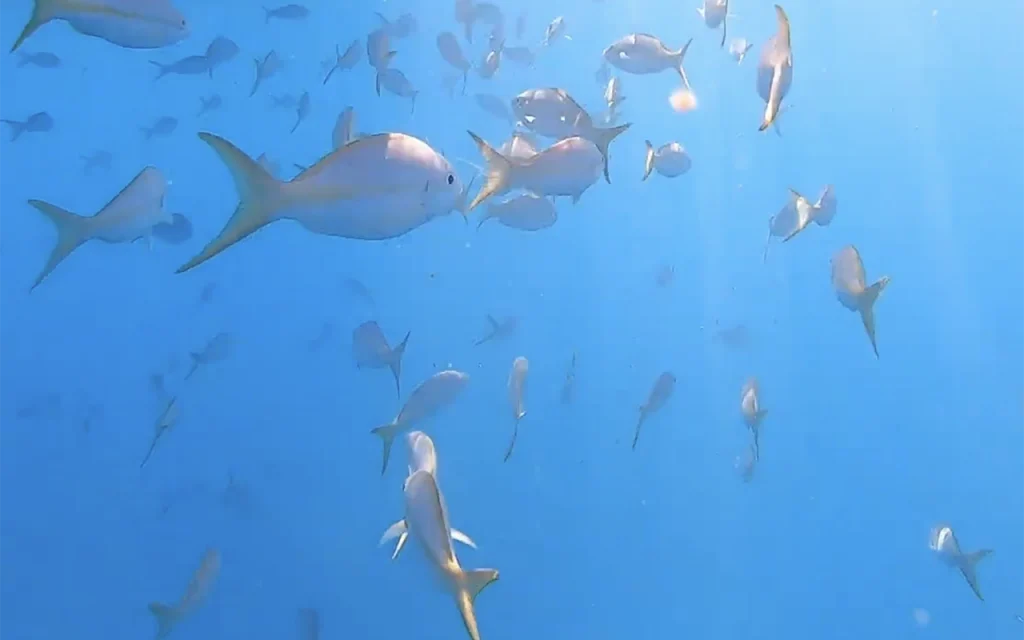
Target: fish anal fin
(260, 197)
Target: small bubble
(922, 617)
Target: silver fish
(738, 49)
(168, 616)
(426, 400)
(498, 330)
(944, 543)
(641, 53)
(670, 160)
(775, 70)
(265, 68)
(287, 12)
(165, 422)
(42, 59)
(797, 215)
(217, 349)
(753, 414)
(451, 52)
(219, 51)
(371, 350)
(525, 212)
(714, 13)
(189, 66)
(495, 106)
(378, 50)
(132, 24)
(660, 393)
(209, 104)
(40, 122)
(395, 82)
(131, 215)
(302, 110)
(344, 61)
(516, 389)
(852, 289)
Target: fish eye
(451, 179)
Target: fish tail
(465, 79)
(331, 73)
(166, 617)
(487, 216)
(603, 138)
(377, 83)
(768, 240)
(162, 69)
(72, 231)
(256, 83)
(267, 15)
(648, 160)
(42, 12)
(17, 128)
(679, 56)
(867, 308)
(260, 197)
(969, 568)
(471, 583)
(512, 444)
(396, 361)
(499, 172)
(387, 434)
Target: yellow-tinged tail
(602, 138)
(42, 12)
(260, 197)
(387, 434)
(470, 584)
(499, 172)
(166, 618)
(72, 231)
(867, 309)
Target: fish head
(422, 454)
(444, 191)
(943, 542)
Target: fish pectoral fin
(459, 536)
(397, 530)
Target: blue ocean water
(913, 110)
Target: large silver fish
(853, 291)
(943, 542)
(641, 54)
(133, 24)
(775, 69)
(377, 187)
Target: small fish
(566, 168)
(190, 66)
(569, 384)
(98, 160)
(377, 187)
(212, 103)
(40, 122)
(944, 543)
(132, 24)
(302, 110)
(613, 93)
(489, 65)
(130, 216)
(469, 13)
(714, 13)
(852, 290)
(670, 160)
(426, 520)
(220, 51)
(666, 273)
(177, 231)
(287, 12)
(641, 54)
(403, 27)
(168, 418)
(660, 393)
(520, 55)
(753, 414)
(343, 128)
(217, 349)
(163, 126)
(309, 624)
(206, 295)
(265, 68)
(167, 616)
(395, 82)
(525, 212)
(797, 215)
(371, 350)
(775, 70)
(378, 50)
(495, 106)
(738, 49)
(344, 61)
(451, 52)
(554, 31)
(360, 290)
(326, 331)
(499, 330)
(516, 389)
(42, 59)
(554, 113)
(426, 400)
